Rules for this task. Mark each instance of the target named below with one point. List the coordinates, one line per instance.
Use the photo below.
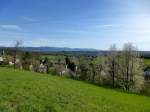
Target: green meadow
(23, 91)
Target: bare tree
(16, 48)
(129, 65)
(99, 69)
(112, 63)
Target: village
(88, 67)
(42, 65)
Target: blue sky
(75, 23)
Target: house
(11, 63)
(43, 67)
(1, 60)
(147, 74)
(2, 57)
(31, 68)
(17, 60)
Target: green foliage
(22, 91)
(98, 60)
(146, 89)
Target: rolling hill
(23, 91)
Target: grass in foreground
(22, 91)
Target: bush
(146, 89)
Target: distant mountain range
(89, 51)
(51, 49)
(55, 49)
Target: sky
(75, 23)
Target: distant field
(22, 91)
(147, 62)
(55, 58)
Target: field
(22, 91)
(54, 58)
(147, 62)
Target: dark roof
(147, 69)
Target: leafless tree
(17, 45)
(99, 69)
(129, 65)
(112, 63)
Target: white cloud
(45, 42)
(10, 27)
(108, 25)
(28, 19)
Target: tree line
(119, 68)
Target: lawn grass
(22, 91)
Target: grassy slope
(29, 92)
